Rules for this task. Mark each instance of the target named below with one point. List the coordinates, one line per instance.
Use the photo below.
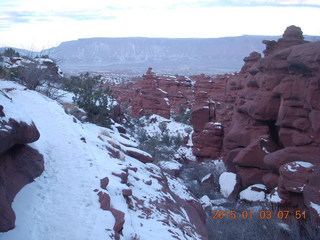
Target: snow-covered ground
(156, 126)
(62, 204)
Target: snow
(162, 91)
(284, 226)
(293, 166)
(61, 203)
(170, 165)
(205, 201)
(265, 150)
(206, 177)
(218, 202)
(185, 152)
(315, 207)
(227, 181)
(253, 196)
(167, 101)
(274, 197)
(11, 110)
(264, 139)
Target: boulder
(104, 200)
(208, 142)
(104, 183)
(119, 220)
(311, 192)
(295, 175)
(16, 132)
(142, 157)
(18, 166)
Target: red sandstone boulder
(250, 176)
(127, 192)
(291, 37)
(208, 142)
(243, 131)
(104, 200)
(270, 180)
(13, 132)
(18, 167)
(251, 156)
(119, 220)
(311, 192)
(305, 154)
(295, 175)
(141, 156)
(104, 183)
(199, 117)
(250, 61)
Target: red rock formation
(19, 164)
(142, 157)
(275, 123)
(104, 200)
(104, 183)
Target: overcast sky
(40, 24)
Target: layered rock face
(274, 137)
(153, 94)
(213, 106)
(19, 163)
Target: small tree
(31, 75)
(10, 52)
(93, 97)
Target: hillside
(211, 55)
(90, 188)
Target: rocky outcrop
(275, 123)
(19, 163)
(213, 106)
(155, 94)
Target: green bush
(161, 146)
(10, 52)
(92, 96)
(183, 116)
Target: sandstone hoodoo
(274, 132)
(259, 120)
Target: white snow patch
(162, 91)
(206, 177)
(252, 195)
(11, 109)
(293, 166)
(265, 150)
(264, 139)
(170, 165)
(274, 198)
(205, 201)
(167, 101)
(227, 181)
(315, 207)
(284, 226)
(219, 202)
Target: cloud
(83, 15)
(12, 17)
(254, 3)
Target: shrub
(93, 96)
(10, 52)
(161, 146)
(31, 75)
(183, 116)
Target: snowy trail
(61, 204)
(67, 181)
